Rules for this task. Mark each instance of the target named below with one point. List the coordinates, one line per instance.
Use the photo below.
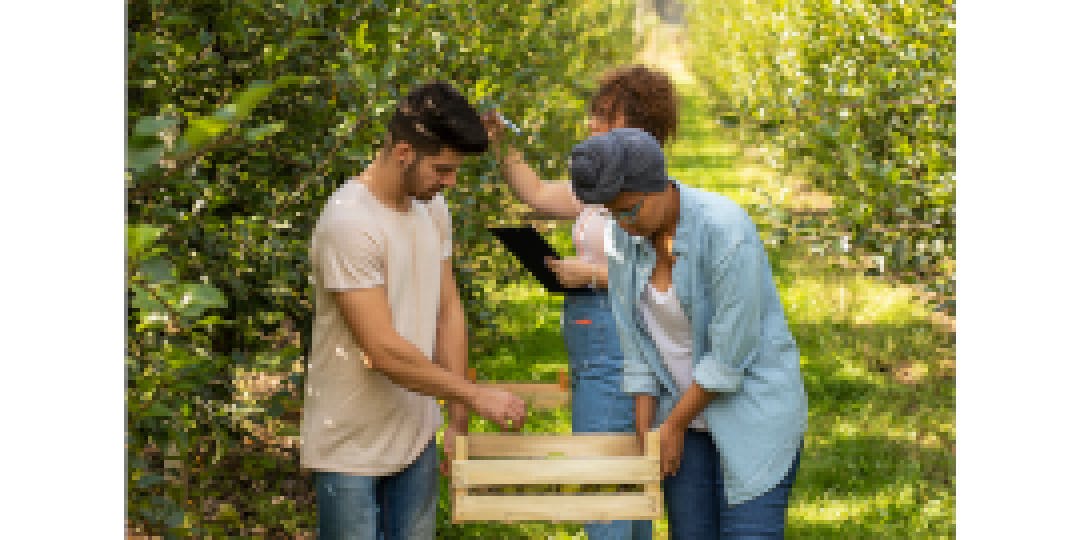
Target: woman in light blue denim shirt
(732, 479)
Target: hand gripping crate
(485, 460)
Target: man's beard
(411, 177)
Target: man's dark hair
(434, 116)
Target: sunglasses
(630, 214)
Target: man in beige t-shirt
(389, 333)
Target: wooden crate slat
(461, 453)
(548, 401)
(652, 449)
(539, 395)
(556, 508)
(522, 389)
(571, 446)
(613, 470)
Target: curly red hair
(644, 97)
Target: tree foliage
(242, 118)
(862, 96)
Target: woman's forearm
(693, 401)
(644, 412)
(554, 199)
(522, 179)
(600, 275)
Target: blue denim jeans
(400, 506)
(598, 402)
(698, 509)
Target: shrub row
(861, 97)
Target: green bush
(861, 95)
(242, 118)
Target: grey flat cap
(623, 159)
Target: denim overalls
(598, 402)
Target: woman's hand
(495, 127)
(552, 199)
(573, 271)
(644, 411)
(671, 447)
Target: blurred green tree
(862, 97)
(242, 118)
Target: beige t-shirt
(355, 419)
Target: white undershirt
(590, 234)
(670, 330)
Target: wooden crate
(484, 460)
(536, 395)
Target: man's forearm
(406, 366)
(452, 353)
(600, 276)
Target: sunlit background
(831, 122)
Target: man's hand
(499, 406)
(572, 271)
(671, 447)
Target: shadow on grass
(867, 465)
(878, 348)
(850, 529)
(870, 486)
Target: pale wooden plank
(461, 455)
(652, 451)
(556, 508)
(538, 395)
(523, 389)
(614, 470)
(548, 401)
(576, 445)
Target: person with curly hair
(629, 96)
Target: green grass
(879, 457)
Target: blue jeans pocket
(598, 402)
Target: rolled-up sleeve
(734, 332)
(638, 377)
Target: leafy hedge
(242, 118)
(861, 95)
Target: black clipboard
(530, 248)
